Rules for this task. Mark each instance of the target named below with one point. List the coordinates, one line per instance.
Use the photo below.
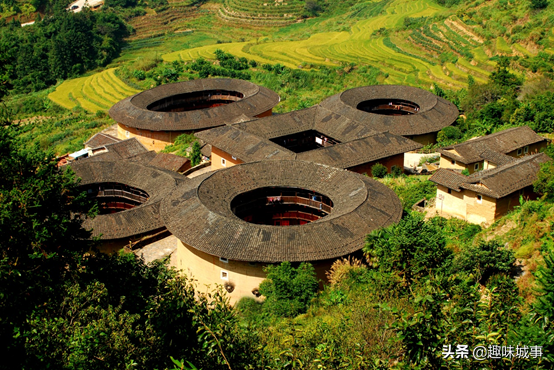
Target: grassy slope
(365, 32)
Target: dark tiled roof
(199, 213)
(497, 182)
(434, 113)
(133, 111)
(449, 178)
(249, 141)
(504, 142)
(168, 161)
(127, 148)
(144, 218)
(360, 151)
(206, 150)
(101, 139)
(243, 145)
(315, 118)
(281, 124)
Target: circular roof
(140, 219)
(133, 110)
(198, 212)
(434, 113)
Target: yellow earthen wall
(206, 269)
(218, 154)
(478, 213)
(451, 204)
(152, 140)
(425, 139)
(446, 162)
(533, 149)
(464, 205)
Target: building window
(449, 191)
(234, 158)
(223, 162)
(224, 275)
(252, 263)
(479, 198)
(453, 162)
(476, 167)
(521, 192)
(526, 150)
(224, 260)
(126, 133)
(519, 151)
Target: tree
(41, 238)
(484, 260)
(411, 248)
(396, 171)
(539, 4)
(544, 184)
(196, 154)
(449, 134)
(504, 78)
(64, 305)
(288, 290)
(378, 170)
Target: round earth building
(233, 222)
(157, 116)
(401, 110)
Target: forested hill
(60, 46)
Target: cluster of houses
(316, 162)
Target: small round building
(233, 222)
(401, 110)
(157, 116)
(129, 197)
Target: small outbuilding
(487, 195)
(491, 151)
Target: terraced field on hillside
(94, 93)
(261, 12)
(408, 57)
(173, 19)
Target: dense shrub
(378, 170)
(484, 260)
(288, 290)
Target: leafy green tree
(539, 4)
(412, 248)
(449, 134)
(196, 154)
(397, 171)
(544, 184)
(544, 304)
(378, 170)
(484, 260)
(63, 305)
(537, 112)
(288, 290)
(504, 78)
